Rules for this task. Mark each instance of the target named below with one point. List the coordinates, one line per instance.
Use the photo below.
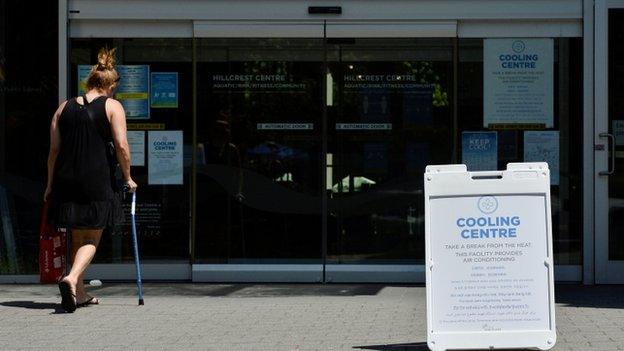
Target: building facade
(285, 141)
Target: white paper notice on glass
(165, 157)
(543, 146)
(518, 81)
(489, 261)
(136, 141)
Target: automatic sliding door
(261, 161)
(260, 143)
(390, 116)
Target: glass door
(311, 155)
(259, 131)
(389, 116)
(609, 112)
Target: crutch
(136, 248)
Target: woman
(81, 171)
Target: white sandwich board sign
(489, 261)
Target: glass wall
(300, 142)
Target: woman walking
(81, 171)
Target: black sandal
(91, 301)
(68, 300)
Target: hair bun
(106, 59)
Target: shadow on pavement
(238, 290)
(417, 346)
(599, 296)
(34, 305)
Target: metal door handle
(612, 158)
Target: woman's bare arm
(120, 138)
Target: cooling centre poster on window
(165, 160)
(518, 82)
(489, 272)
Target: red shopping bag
(52, 250)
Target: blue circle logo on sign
(487, 204)
(518, 46)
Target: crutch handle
(133, 208)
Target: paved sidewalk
(269, 317)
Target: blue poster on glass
(164, 90)
(480, 151)
(133, 90)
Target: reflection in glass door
(259, 151)
(616, 123)
(390, 116)
(610, 133)
(610, 248)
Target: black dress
(85, 194)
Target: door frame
(606, 271)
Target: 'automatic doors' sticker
(285, 126)
(363, 126)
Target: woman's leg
(81, 293)
(76, 244)
(80, 290)
(84, 245)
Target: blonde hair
(103, 74)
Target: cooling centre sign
(518, 82)
(488, 226)
(489, 259)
